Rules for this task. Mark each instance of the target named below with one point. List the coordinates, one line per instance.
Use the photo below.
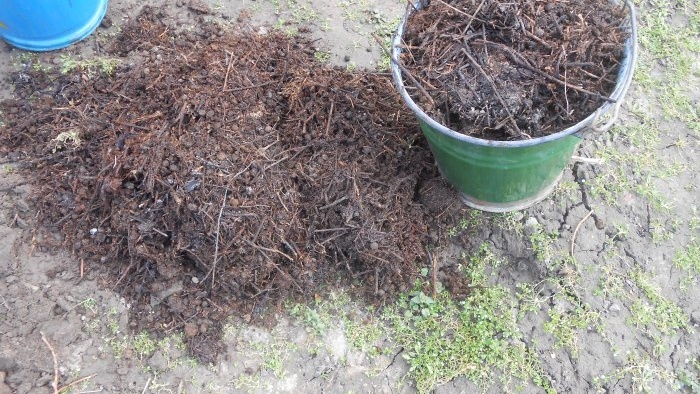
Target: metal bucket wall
(501, 176)
(45, 25)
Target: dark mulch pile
(224, 173)
(514, 70)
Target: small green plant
(660, 232)
(642, 374)
(530, 299)
(656, 311)
(286, 27)
(89, 304)
(509, 221)
(144, 346)
(541, 243)
(117, 345)
(364, 335)
(25, 59)
(566, 190)
(67, 63)
(476, 269)
(653, 195)
(322, 56)
(384, 29)
(472, 220)
(30, 61)
(272, 355)
(112, 321)
(694, 220)
(565, 324)
(612, 282)
(91, 326)
(325, 25)
(105, 65)
(317, 322)
(250, 383)
(689, 377)
(303, 14)
(688, 260)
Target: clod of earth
(234, 159)
(517, 70)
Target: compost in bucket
(513, 71)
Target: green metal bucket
(502, 176)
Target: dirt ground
(619, 316)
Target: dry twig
(212, 271)
(54, 384)
(573, 236)
(69, 385)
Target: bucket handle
(598, 125)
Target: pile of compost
(216, 173)
(514, 70)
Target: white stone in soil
(336, 343)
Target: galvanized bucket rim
(624, 79)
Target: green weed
(303, 14)
(530, 299)
(144, 346)
(566, 190)
(689, 378)
(365, 335)
(107, 66)
(660, 232)
(612, 282)
(565, 324)
(656, 311)
(694, 220)
(541, 242)
(474, 219)
(673, 44)
(688, 260)
(118, 345)
(641, 372)
(273, 355)
(509, 221)
(322, 56)
(476, 269)
(249, 383)
(317, 321)
(286, 27)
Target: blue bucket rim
(61, 41)
(624, 80)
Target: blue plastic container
(45, 25)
